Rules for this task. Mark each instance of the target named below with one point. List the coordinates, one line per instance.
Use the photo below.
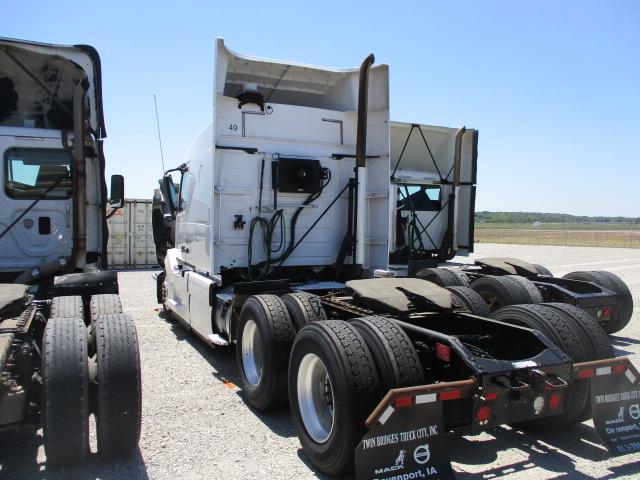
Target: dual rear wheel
(75, 385)
(332, 375)
(579, 336)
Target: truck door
(35, 168)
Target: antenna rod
(159, 137)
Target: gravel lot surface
(196, 424)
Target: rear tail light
(554, 401)
(483, 414)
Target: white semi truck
(283, 217)
(433, 180)
(67, 350)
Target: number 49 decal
(233, 127)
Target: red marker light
(443, 352)
(402, 402)
(606, 312)
(554, 401)
(483, 414)
(491, 396)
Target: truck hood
(37, 82)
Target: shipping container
(131, 236)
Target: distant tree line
(531, 217)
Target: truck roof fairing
(292, 83)
(37, 81)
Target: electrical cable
(269, 227)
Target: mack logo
(422, 454)
(399, 465)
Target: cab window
(184, 191)
(421, 198)
(37, 173)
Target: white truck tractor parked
(282, 221)
(66, 349)
(433, 183)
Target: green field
(626, 235)
(559, 226)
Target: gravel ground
(197, 425)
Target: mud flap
(615, 400)
(406, 444)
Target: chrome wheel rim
(315, 398)
(252, 353)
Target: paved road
(197, 425)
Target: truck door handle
(184, 249)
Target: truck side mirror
(117, 191)
(170, 193)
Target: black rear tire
(67, 307)
(275, 333)
(354, 388)
(567, 336)
(102, 304)
(501, 291)
(542, 270)
(119, 397)
(470, 300)
(65, 381)
(533, 293)
(444, 277)
(303, 308)
(593, 335)
(623, 310)
(393, 352)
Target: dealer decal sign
(615, 400)
(405, 444)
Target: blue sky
(553, 87)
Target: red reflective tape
(587, 373)
(401, 402)
(491, 396)
(450, 395)
(618, 369)
(443, 352)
